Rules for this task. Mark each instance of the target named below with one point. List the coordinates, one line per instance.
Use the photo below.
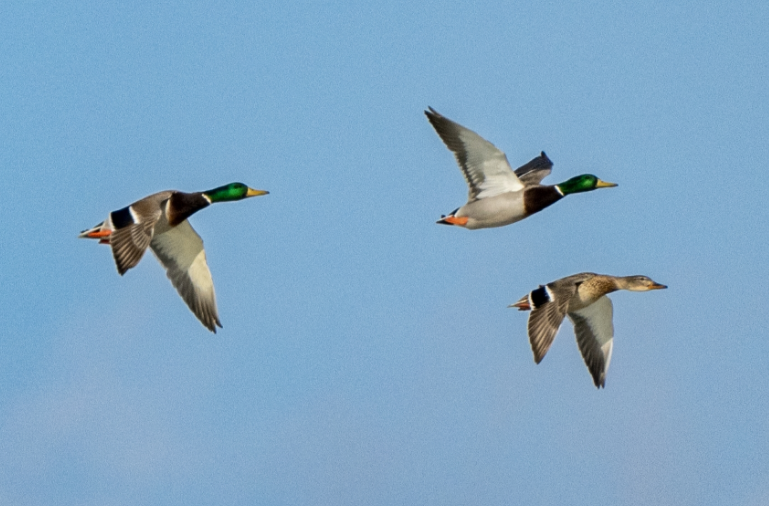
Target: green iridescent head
(583, 183)
(231, 192)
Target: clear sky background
(368, 355)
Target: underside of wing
(595, 336)
(533, 172)
(485, 167)
(180, 251)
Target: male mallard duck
(583, 298)
(160, 222)
(498, 196)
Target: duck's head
(583, 183)
(640, 284)
(231, 192)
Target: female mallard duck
(160, 222)
(498, 196)
(583, 298)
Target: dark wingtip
(214, 324)
(600, 382)
(432, 113)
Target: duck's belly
(494, 212)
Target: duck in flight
(159, 222)
(581, 297)
(498, 195)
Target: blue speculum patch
(121, 218)
(539, 296)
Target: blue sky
(367, 354)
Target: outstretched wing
(533, 172)
(180, 250)
(595, 336)
(132, 229)
(547, 314)
(131, 235)
(485, 167)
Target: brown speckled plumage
(581, 297)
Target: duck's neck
(536, 198)
(183, 205)
(600, 285)
(623, 283)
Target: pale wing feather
(490, 168)
(485, 167)
(180, 250)
(595, 337)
